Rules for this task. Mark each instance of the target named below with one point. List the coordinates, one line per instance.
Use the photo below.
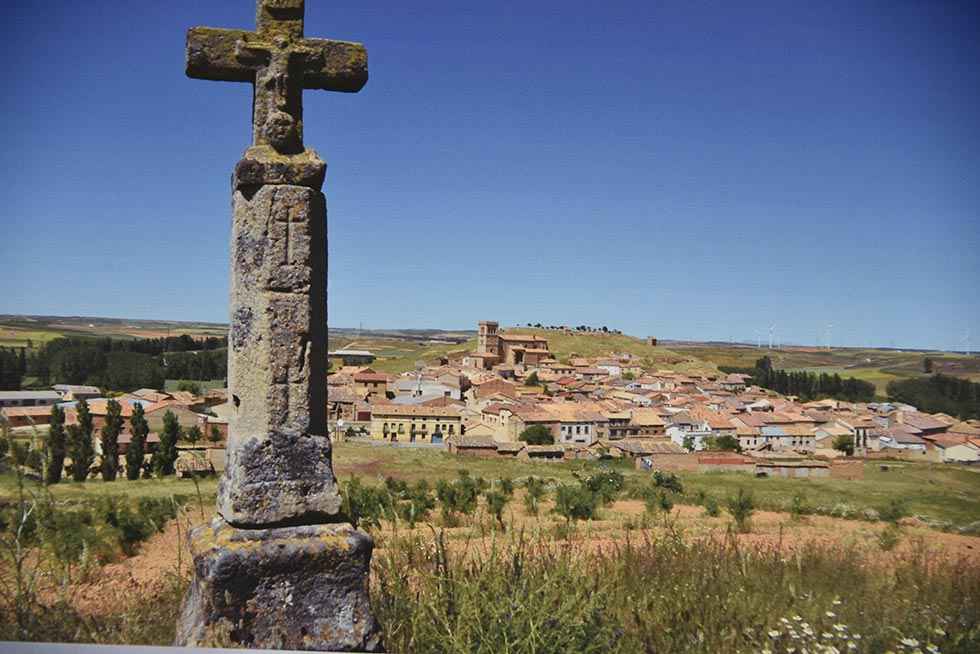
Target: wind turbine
(758, 339)
(966, 342)
(830, 327)
(772, 330)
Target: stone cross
(278, 567)
(280, 62)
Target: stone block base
(300, 588)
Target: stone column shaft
(278, 470)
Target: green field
(938, 492)
(21, 331)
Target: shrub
(361, 505)
(741, 506)
(798, 507)
(606, 485)
(668, 481)
(458, 496)
(158, 510)
(534, 492)
(417, 504)
(711, 507)
(575, 502)
(889, 537)
(894, 510)
(658, 501)
(496, 503)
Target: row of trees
(809, 385)
(939, 394)
(76, 442)
(116, 364)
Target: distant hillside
(565, 345)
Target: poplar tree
(56, 445)
(137, 447)
(110, 440)
(166, 455)
(80, 443)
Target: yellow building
(410, 423)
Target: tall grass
(531, 594)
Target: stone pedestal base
(300, 588)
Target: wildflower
(830, 614)
(774, 634)
(797, 618)
(909, 642)
(932, 649)
(852, 645)
(840, 627)
(826, 635)
(837, 602)
(939, 632)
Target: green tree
(458, 496)
(534, 492)
(190, 387)
(110, 440)
(725, 443)
(537, 435)
(417, 503)
(605, 485)
(575, 502)
(214, 435)
(496, 503)
(137, 446)
(741, 506)
(193, 435)
(80, 447)
(689, 443)
(844, 443)
(532, 379)
(927, 366)
(56, 445)
(166, 454)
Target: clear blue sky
(680, 169)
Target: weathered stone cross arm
(280, 62)
(221, 54)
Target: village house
(414, 423)
(370, 385)
(340, 403)
(75, 392)
(351, 357)
(149, 395)
(28, 398)
(186, 418)
(25, 416)
(953, 449)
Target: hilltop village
(511, 397)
